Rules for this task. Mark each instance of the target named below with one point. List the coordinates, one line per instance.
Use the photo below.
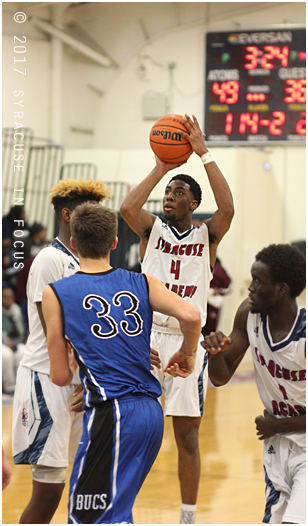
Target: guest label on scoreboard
(256, 86)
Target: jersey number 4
(96, 328)
(175, 268)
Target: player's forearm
(191, 329)
(296, 424)
(221, 190)
(139, 195)
(61, 377)
(60, 371)
(219, 372)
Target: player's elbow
(60, 377)
(126, 210)
(228, 212)
(191, 317)
(217, 382)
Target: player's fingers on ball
(187, 121)
(196, 121)
(182, 133)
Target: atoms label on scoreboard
(256, 86)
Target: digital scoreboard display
(256, 86)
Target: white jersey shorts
(183, 396)
(45, 431)
(285, 477)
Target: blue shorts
(120, 441)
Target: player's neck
(92, 266)
(281, 320)
(65, 239)
(181, 225)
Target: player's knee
(188, 440)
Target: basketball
(167, 143)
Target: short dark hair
(287, 264)
(194, 186)
(93, 228)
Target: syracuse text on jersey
(193, 249)
(283, 408)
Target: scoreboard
(256, 87)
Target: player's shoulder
(47, 254)
(243, 311)
(121, 274)
(300, 326)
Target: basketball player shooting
(182, 257)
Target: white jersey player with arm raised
(181, 256)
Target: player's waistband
(165, 329)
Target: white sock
(188, 514)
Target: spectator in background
(21, 290)
(36, 241)
(13, 337)
(32, 245)
(220, 285)
(14, 220)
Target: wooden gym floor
(231, 488)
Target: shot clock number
(272, 52)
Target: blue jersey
(107, 319)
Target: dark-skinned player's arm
(182, 363)
(226, 353)
(139, 220)
(268, 426)
(61, 368)
(220, 222)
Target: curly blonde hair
(70, 193)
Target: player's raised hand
(168, 166)
(195, 135)
(216, 342)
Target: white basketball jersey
(182, 263)
(280, 368)
(52, 263)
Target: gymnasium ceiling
(118, 30)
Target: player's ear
(283, 289)
(114, 244)
(193, 205)
(72, 244)
(66, 214)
